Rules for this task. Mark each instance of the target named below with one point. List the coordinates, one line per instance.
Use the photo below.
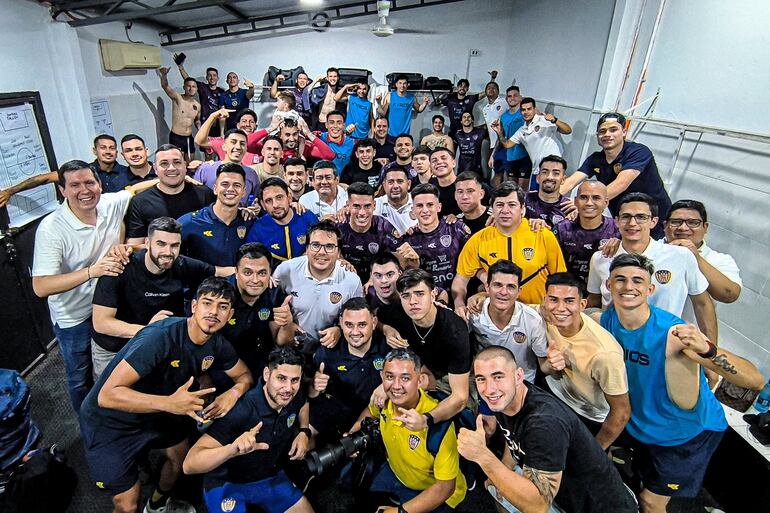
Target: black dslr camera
(362, 442)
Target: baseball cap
(611, 116)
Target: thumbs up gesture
(320, 380)
(282, 314)
(247, 442)
(472, 444)
(555, 357)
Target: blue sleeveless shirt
(400, 114)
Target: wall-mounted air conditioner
(119, 55)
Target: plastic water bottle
(251, 200)
(763, 401)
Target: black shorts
(520, 168)
(112, 456)
(186, 143)
(676, 471)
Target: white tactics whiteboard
(22, 155)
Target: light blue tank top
(655, 419)
(359, 111)
(400, 114)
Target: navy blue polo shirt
(352, 378)
(249, 328)
(284, 241)
(632, 156)
(205, 237)
(277, 431)
(114, 180)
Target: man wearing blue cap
(623, 166)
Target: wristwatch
(401, 509)
(555, 119)
(307, 432)
(429, 419)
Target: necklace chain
(417, 330)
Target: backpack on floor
(42, 483)
(18, 433)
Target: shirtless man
(185, 112)
(438, 138)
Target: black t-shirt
(386, 150)
(278, 431)
(546, 435)
(353, 173)
(478, 224)
(352, 379)
(457, 107)
(153, 203)
(469, 149)
(138, 295)
(249, 328)
(165, 357)
(446, 195)
(446, 349)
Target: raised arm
(29, 183)
(250, 89)
(419, 107)
(572, 181)
(163, 72)
(382, 108)
(274, 86)
(207, 454)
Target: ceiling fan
(384, 29)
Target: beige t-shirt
(595, 367)
(263, 173)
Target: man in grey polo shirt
(319, 286)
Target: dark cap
(611, 116)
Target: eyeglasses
(316, 246)
(639, 218)
(691, 223)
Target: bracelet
(88, 272)
(401, 509)
(307, 432)
(235, 393)
(711, 353)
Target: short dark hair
(404, 354)
(355, 304)
(554, 158)
(131, 137)
(216, 287)
(632, 197)
(253, 250)
(366, 142)
(215, 70)
(512, 88)
(425, 188)
(611, 116)
(463, 81)
(414, 277)
(272, 138)
(245, 112)
(492, 83)
(168, 147)
(439, 149)
(699, 207)
(504, 267)
(164, 224)
(401, 77)
(404, 136)
(633, 260)
(506, 189)
(190, 79)
(325, 164)
(106, 137)
(469, 113)
(495, 351)
(286, 355)
(232, 167)
(528, 99)
(324, 226)
(273, 181)
(383, 258)
(335, 113)
(437, 116)
(295, 161)
(421, 150)
(74, 165)
(567, 280)
(467, 176)
(332, 69)
(361, 189)
(395, 169)
(236, 131)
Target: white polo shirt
(676, 276)
(316, 304)
(524, 336)
(63, 244)
(723, 263)
(399, 217)
(312, 202)
(493, 111)
(539, 139)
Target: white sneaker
(171, 506)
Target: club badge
(414, 441)
(519, 337)
(663, 276)
(241, 232)
(291, 419)
(445, 240)
(373, 248)
(617, 168)
(228, 504)
(335, 297)
(263, 314)
(378, 363)
(207, 363)
(528, 253)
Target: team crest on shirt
(663, 276)
(208, 233)
(373, 247)
(263, 314)
(557, 219)
(617, 168)
(528, 253)
(335, 297)
(602, 242)
(228, 504)
(241, 232)
(414, 442)
(301, 238)
(537, 128)
(519, 337)
(291, 419)
(597, 170)
(378, 363)
(445, 240)
(206, 363)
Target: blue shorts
(273, 495)
(676, 471)
(385, 481)
(112, 457)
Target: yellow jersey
(408, 454)
(537, 253)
